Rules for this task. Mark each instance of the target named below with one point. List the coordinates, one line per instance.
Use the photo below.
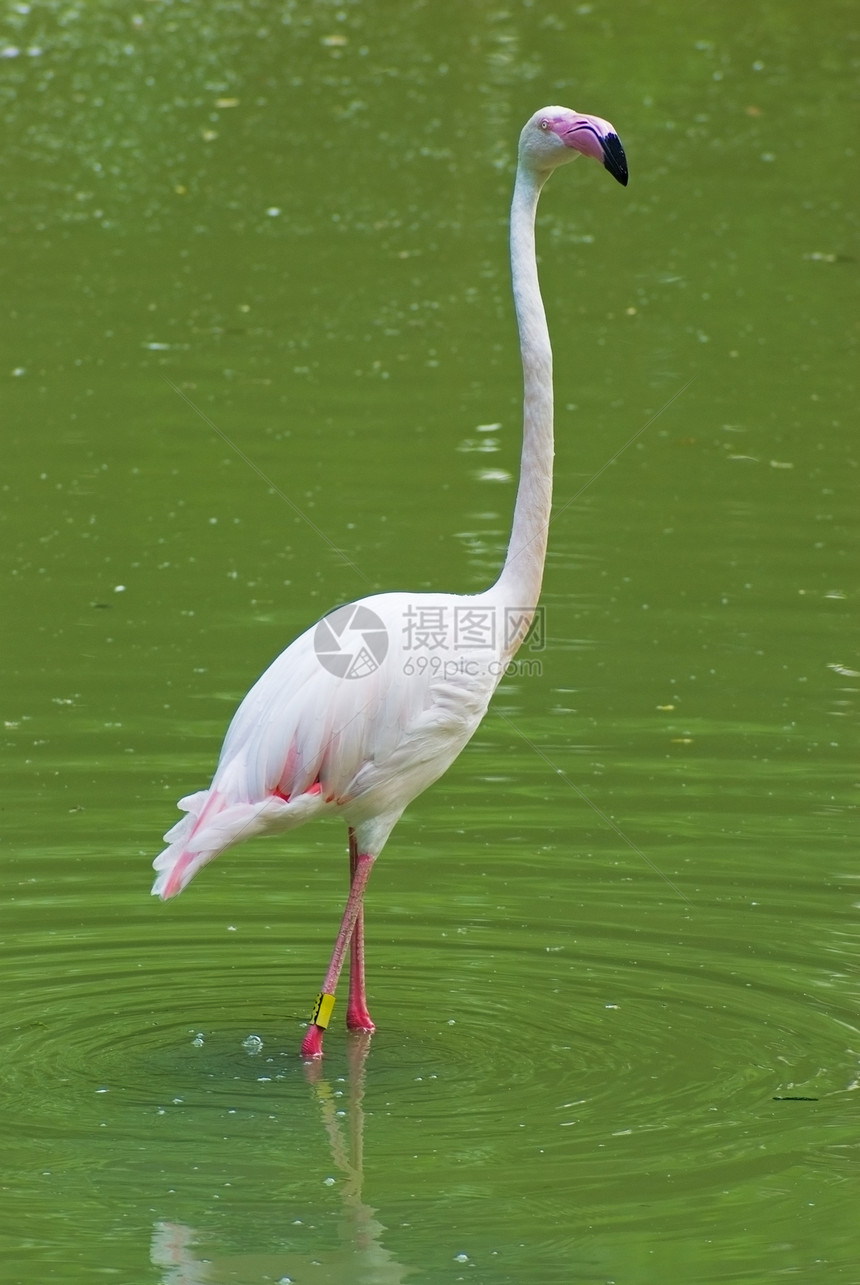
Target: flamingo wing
(307, 740)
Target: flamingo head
(555, 135)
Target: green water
(612, 954)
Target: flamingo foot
(312, 1044)
(358, 1018)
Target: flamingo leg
(312, 1043)
(357, 1016)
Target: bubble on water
(252, 1044)
(198, 1040)
(461, 1258)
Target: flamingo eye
(544, 124)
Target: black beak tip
(614, 158)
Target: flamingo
(372, 704)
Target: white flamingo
(371, 705)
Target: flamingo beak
(614, 158)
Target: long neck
(521, 576)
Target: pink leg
(312, 1043)
(357, 1016)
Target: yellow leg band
(322, 1010)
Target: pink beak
(595, 137)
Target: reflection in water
(359, 1255)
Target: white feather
(305, 742)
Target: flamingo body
(306, 743)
